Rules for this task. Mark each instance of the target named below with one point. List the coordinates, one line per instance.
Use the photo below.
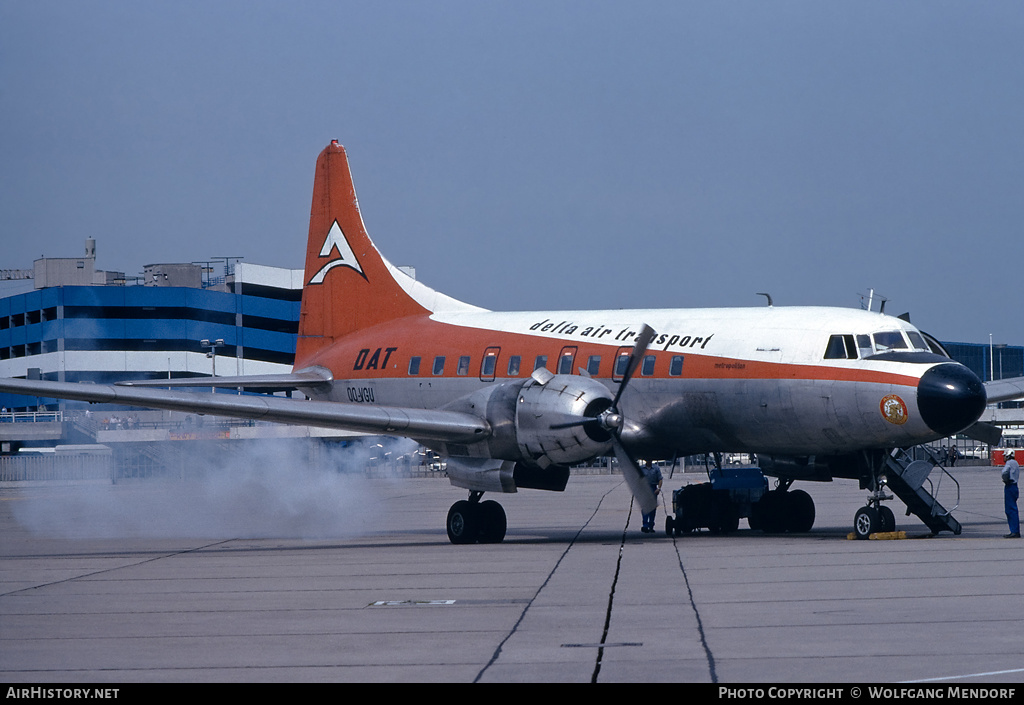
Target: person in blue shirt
(1011, 475)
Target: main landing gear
(473, 521)
(782, 510)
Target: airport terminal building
(66, 321)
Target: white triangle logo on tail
(346, 258)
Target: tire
(669, 526)
(800, 512)
(771, 516)
(493, 522)
(728, 518)
(866, 522)
(887, 519)
(463, 523)
(754, 520)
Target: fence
(30, 416)
(51, 466)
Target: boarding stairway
(910, 480)
(85, 427)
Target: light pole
(218, 343)
(991, 359)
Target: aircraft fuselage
(760, 380)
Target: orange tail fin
(348, 284)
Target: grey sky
(528, 155)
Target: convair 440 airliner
(511, 400)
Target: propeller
(987, 433)
(643, 339)
(632, 473)
(611, 420)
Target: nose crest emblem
(893, 409)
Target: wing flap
(426, 424)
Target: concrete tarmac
(575, 594)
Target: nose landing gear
(874, 518)
(870, 520)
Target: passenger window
(675, 368)
(541, 361)
(593, 365)
(647, 369)
(513, 365)
(414, 366)
(439, 365)
(463, 369)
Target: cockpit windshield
(850, 347)
(889, 340)
(917, 340)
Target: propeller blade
(634, 477)
(643, 339)
(572, 424)
(987, 433)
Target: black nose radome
(950, 398)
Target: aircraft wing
(424, 424)
(1005, 389)
(309, 378)
(996, 391)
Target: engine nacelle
(545, 412)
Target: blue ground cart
(717, 505)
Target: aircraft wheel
(493, 522)
(771, 512)
(866, 522)
(887, 519)
(728, 519)
(800, 511)
(754, 521)
(463, 522)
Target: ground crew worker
(652, 476)
(1011, 475)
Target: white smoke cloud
(261, 489)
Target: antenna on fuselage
(767, 296)
(871, 300)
